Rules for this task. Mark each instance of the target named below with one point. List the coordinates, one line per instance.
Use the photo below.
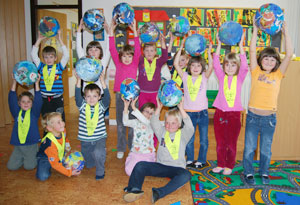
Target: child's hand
(126, 103)
(209, 49)
(81, 26)
(37, 83)
(102, 80)
(106, 26)
(14, 83)
(284, 28)
(132, 26)
(133, 103)
(172, 37)
(159, 104)
(75, 172)
(112, 27)
(241, 43)
(218, 39)
(180, 105)
(254, 24)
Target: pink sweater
(124, 71)
(220, 101)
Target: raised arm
(172, 38)
(210, 62)
(79, 49)
(253, 59)
(126, 121)
(241, 44)
(78, 96)
(106, 54)
(218, 46)
(65, 57)
(288, 49)
(35, 50)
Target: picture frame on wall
(99, 36)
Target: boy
(51, 75)
(92, 129)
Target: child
(143, 144)
(93, 49)
(25, 135)
(266, 74)
(227, 122)
(196, 103)
(126, 62)
(51, 75)
(92, 130)
(53, 148)
(149, 77)
(173, 139)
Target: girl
(126, 62)
(53, 148)
(196, 103)
(143, 145)
(266, 73)
(227, 122)
(170, 162)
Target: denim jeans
(179, 176)
(265, 126)
(200, 119)
(43, 171)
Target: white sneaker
(120, 155)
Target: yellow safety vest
(150, 69)
(60, 148)
(230, 93)
(173, 147)
(91, 122)
(194, 88)
(23, 127)
(177, 78)
(49, 79)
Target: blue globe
(195, 44)
(25, 73)
(89, 69)
(269, 18)
(230, 33)
(75, 161)
(93, 19)
(123, 13)
(130, 89)
(149, 33)
(49, 26)
(179, 26)
(169, 93)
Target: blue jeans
(200, 119)
(265, 126)
(179, 176)
(43, 171)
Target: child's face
(268, 63)
(196, 69)
(127, 59)
(95, 52)
(183, 61)
(57, 125)
(150, 52)
(49, 59)
(92, 97)
(230, 68)
(172, 124)
(148, 112)
(25, 103)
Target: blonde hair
(232, 58)
(175, 113)
(46, 120)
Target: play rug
(210, 188)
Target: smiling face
(126, 58)
(183, 61)
(49, 59)
(148, 112)
(94, 52)
(92, 97)
(150, 52)
(230, 68)
(56, 126)
(25, 103)
(172, 124)
(268, 63)
(196, 69)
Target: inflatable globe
(195, 44)
(89, 69)
(123, 13)
(93, 19)
(169, 93)
(149, 33)
(269, 18)
(230, 33)
(179, 26)
(25, 73)
(75, 160)
(49, 26)
(130, 89)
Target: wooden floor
(21, 186)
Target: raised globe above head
(130, 89)
(149, 33)
(269, 18)
(49, 26)
(169, 93)
(75, 161)
(230, 33)
(179, 26)
(89, 69)
(123, 13)
(195, 44)
(93, 19)
(25, 73)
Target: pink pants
(227, 126)
(134, 158)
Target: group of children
(155, 149)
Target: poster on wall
(74, 27)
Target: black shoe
(199, 165)
(190, 165)
(265, 179)
(132, 196)
(155, 196)
(249, 179)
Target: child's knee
(30, 166)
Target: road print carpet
(210, 188)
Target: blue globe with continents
(169, 93)
(149, 33)
(49, 26)
(25, 73)
(195, 44)
(230, 33)
(75, 161)
(129, 89)
(123, 13)
(89, 69)
(93, 19)
(179, 26)
(269, 18)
